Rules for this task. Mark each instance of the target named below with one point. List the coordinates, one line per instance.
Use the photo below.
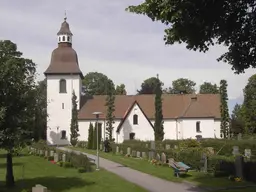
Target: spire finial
(157, 76)
(65, 15)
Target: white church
(185, 116)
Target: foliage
(238, 119)
(17, 102)
(90, 137)
(110, 103)
(149, 85)
(189, 143)
(250, 105)
(94, 138)
(182, 85)
(74, 129)
(80, 161)
(158, 124)
(95, 83)
(82, 144)
(208, 88)
(120, 90)
(224, 126)
(201, 24)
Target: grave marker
(129, 151)
(133, 153)
(248, 153)
(158, 157)
(46, 153)
(117, 149)
(39, 188)
(167, 146)
(152, 145)
(64, 157)
(138, 154)
(144, 155)
(51, 153)
(235, 150)
(56, 157)
(163, 157)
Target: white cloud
(126, 47)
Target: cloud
(126, 47)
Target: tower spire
(65, 15)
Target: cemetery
(209, 163)
(39, 168)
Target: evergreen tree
(90, 137)
(250, 105)
(224, 126)
(74, 123)
(94, 138)
(110, 103)
(158, 125)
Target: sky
(126, 47)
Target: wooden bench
(178, 167)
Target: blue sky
(128, 48)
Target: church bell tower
(63, 77)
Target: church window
(63, 38)
(59, 38)
(63, 86)
(135, 119)
(63, 135)
(68, 38)
(132, 136)
(198, 130)
(63, 106)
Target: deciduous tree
(238, 120)
(201, 24)
(224, 126)
(149, 85)
(74, 129)
(250, 105)
(182, 85)
(120, 90)
(208, 88)
(17, 83)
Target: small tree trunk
(9, 171)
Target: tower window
(135, 119)
(63, 38)
(68, 38)
(59, 38)
(198, 129)
(63, 106)
(63, 135)
(63, 86)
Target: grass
(32, 170)
(197, 178)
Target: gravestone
(39, 188)
(175, 146)
(46, 153)
(158, 157)
(248, 153)
(144, 155)
(51, 153)
(121, 152)
(167, 146)
(163, 158)
(239, 136)
(129, 151)
(210, 150)
(133, 153)
(151, 155)
(138, 154)
(117, 149)
(101, 147)
(146, 145)
(64, 157)
(56, 157)
(41, 152)
(239, 166)
(38, 151)
(204, 162)
(235, 150)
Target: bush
(81, 144)
(67, 165)
(80, 161)
(50, 158)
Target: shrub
(81, 144)
(80, 161)
(67, 165)
(50, 158)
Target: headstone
(167, 146)
(239, 136)
(101, 147)
(235, 150)
(46, 153)
(210, 150)
(204, 161)
(138, 154)
(133, 153)
(163, 158)
(248, 153)
(146, 145)
(152, 145)
(64, 157)
(239, 166)
(39, 188)
(41, 152)
(51, 153)
(158, 157)
(144, 155)
(117, 149)
(175, 146)
(121, 152)
(56, 157)
(129, 151)
(151, 155)
(38, 151)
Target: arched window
(59, 39)
(63, 38)
(132, 136)
(63, 135)
(68, 38)
(63, 86)
(198, 129)
(135, 119)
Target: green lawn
(37, 170)
(164, 172)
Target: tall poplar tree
(224, 126)
(159, 124)
(110, 103)
(90, 137)
(74, 129)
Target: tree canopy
(208, 88)
(200, 24)
(182, 85)
(120, 90)
(149, 86)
